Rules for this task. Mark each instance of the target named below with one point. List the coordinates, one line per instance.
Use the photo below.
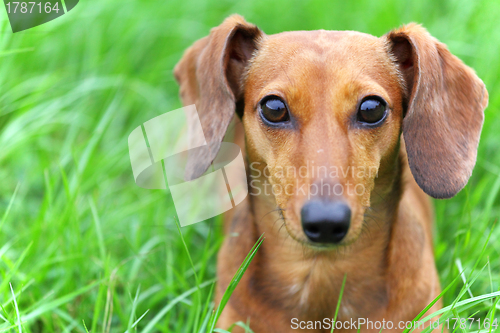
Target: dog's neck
(307, 282)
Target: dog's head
(323, 113)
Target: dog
(399, 119)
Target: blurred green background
(83, 248)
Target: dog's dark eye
(371, 110)
(274, 110)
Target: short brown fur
(435, 102)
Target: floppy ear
(444, 111)
(210, 76)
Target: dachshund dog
(345, 134)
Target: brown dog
(329, 171)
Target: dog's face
(323, 109)
(323, 113)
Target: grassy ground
(82, 246)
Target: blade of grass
(11, 202)
(57, 302)
(207, 310)
(338, 303)
(74, 323)
(234, 282)
(208, 315)
(98, 229)
(151, 325)
(492, 314)
(134, 307)
(16, 266)
(98, 304)
(481, 254)
(136, 322)
(451, 307)
(245, 326)
(19, 327)
(465, 304)
(198, 293)
(458, 262)
(7, 328)
(430, 305)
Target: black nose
(325, 222)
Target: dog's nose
(325, 222)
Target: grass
(82, 248)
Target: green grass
(83, 248)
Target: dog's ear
(443, 111)
(210, 75)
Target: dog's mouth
(332, 235)
(304, 241)
(301, 238)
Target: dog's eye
(371, 110)
(274, 110)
